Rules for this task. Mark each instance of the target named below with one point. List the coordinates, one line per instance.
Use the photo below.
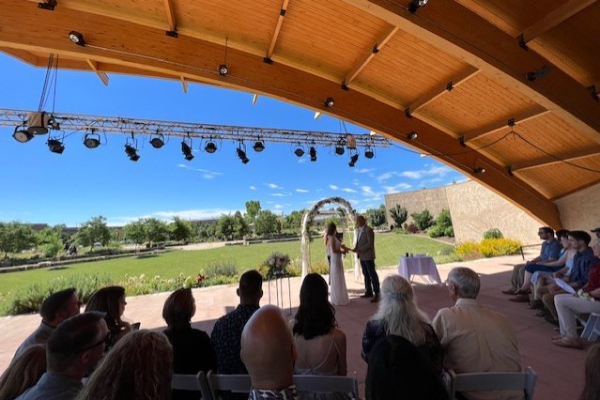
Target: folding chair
(468, 382)
(591, 329)
(220, 382)
(186, 382)
(327, 384)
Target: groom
(365, 250)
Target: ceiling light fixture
(353, 160)
(223, 69)
(21, 134)
(56, 146)
(412, 136)
(157, 141)
(479, 170)
(131, 148)
(77, 38)
(339, 147)
(241, 153)
(329, 102)
(210, 147)
(416, 4)
(259, 146)
(186, 149)
(313, 153)
(299, 151)
(91, 140)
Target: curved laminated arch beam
(307, 220)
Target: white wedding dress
(337, 281)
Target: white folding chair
(327, 384)
(591, 327)
(468, 382)
(186, 382)
(231, 383)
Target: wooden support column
(94, 66)
(525, 116)
(273, 42)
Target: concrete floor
(560, 370)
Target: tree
(376, 216)
(136, 232)
(93, 231)
(156, 230)
(399, 215)
(266, 223)
(240, 227)
(50, 241)
(423, 219)
(252, 209)
(180, 230)
(225, 227)
(294, 220)
(16, 237)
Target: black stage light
(22, 135)
(210, 147)
(56, 146)
(91, 140)
(339, 149)
(157, 141)
(259, 146)
(299, 151)
(131, 152)
(313, 154)
(242, 156)
(353, 160)
(369, 153)
(187, 151)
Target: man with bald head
(268, 352)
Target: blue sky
(39, 186)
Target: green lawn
(389, 247)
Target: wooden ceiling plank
(495, 53)
(184, 84)
(520, 118)
(368, 56)
(94, 66)
(549, 160)
(170, 16)
(575, 190)
(442, 88)
(554, 18)
(277, 30)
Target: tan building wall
(581, 210)
(474, 210)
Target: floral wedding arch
(307, 221)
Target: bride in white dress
(337, 281)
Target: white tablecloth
(419, 265)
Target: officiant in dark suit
(365, 250)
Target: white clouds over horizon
(206, 174)
(301, 190)
(273, 186)
(196, 214)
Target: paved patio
(560, 370)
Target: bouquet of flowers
(200, 278)
(276, 265)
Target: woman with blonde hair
(23, 372)
(399, 315)
(139, 367)
(111, 301)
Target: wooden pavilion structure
(506, 86)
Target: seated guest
(192, 351)
(596, 246)
(55, 309)
(225, 336)
(320, 345)
(140, 366)
(268, 352)
(399, 315)
(550, 251)
(476, 338)
(398, 370)
(111, 301)
(591, 390)
(74, 349)
(568, 306)
(23, 372)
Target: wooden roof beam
(22, 55)
(184, 84)
(553, 19)
(367, 57)
(271, 48)
(442, 88)
(520, 118)
(171, 21)
(549, 160)
(94, 66)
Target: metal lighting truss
(147, 127)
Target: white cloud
(397, 188)
(301, 160)
(197, 214)
(436, 171)
(348, 190)
(206, 174)
(385, 176)
(367, 191)
(355, 182)
(364, 170)
(333, 187)
(278, 206)
(252, 187)
(280, 194)
(301, 190)
(273, 186)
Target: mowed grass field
(389, 247)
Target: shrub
(436, 231)
(227, 268)
(423, 219)
(499, 247)
(493, 233)
(411, 228)
(449, 231)
(399, 214)
(468, 251)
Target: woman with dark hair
(111, 301)
(23, 372)
(192, 351)
(320, 345)
(339, 293)
(591, 390)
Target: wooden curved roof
(506, 85)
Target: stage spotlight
(313, 154)
(77, 38)
(91, 140)
(299, 151)
(479, 170)
(242, 155)
(416, 4)
(210, 147)
(22, 135)
(157, 141)
(329, 102)
(369, 153)
(56, 146)
(131, 152)
(223, 70)
(187, 151)
(339, 148)
(353, 160)
(259, 146)
(412, 136)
